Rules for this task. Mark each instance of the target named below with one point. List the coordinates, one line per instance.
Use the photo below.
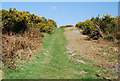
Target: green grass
(53, 63)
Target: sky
(65, 12)
(59, 0)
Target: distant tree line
(105, 27)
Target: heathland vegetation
(106, 27)
(22, 32)
(34, 48)
(66, 26)
(15, 21)
(53, 62)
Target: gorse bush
(89, 29)
(47, 26)
(106, 26)
(66, 26)
(16, 22)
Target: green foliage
(66, 26)
(47, 26)
(89, 29)
(17, 22)
(106, 26)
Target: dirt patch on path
(1, 75)
(103, 53)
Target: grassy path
(53, 63)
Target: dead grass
(18, 48)
(103, 53)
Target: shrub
(18, 22)
(25, 35)
(66, 26)
(106, 26)
(89, 29)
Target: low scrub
(66, 26)
(18, 48)
(18, 22)
(22, 35)
(104, 27)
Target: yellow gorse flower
(107, 15)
